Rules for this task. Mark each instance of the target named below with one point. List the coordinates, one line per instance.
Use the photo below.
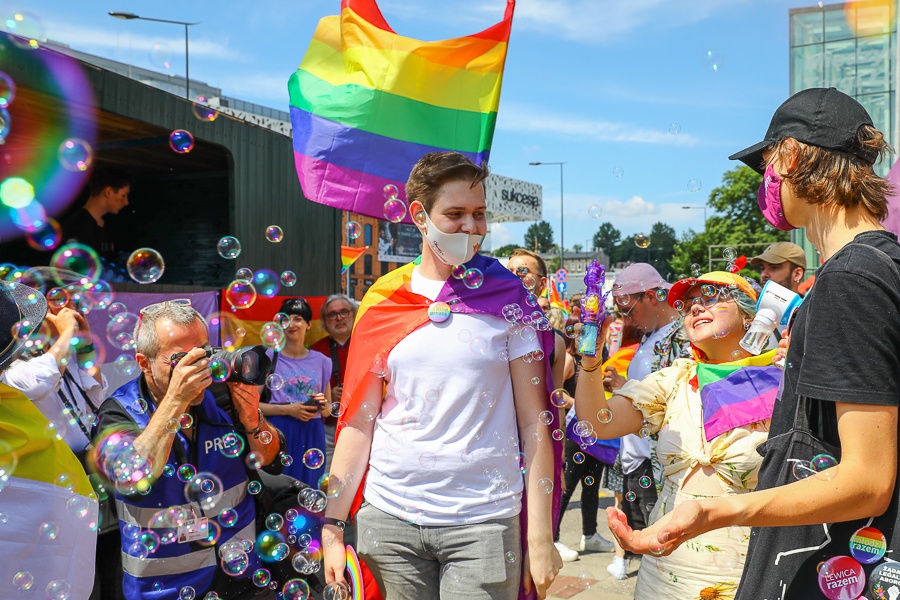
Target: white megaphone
(775, 306)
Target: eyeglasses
(710, 295)
(338, 314)
(626, 314)
(159, 306)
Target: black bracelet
(342, 525)
(259, 424)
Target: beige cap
(780, 252)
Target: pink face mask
(769, 199)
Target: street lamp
(703, 208)
(562, 245)
(187, 73)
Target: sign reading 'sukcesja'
(512, 199)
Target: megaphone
(775, 306)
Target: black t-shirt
(82, 227)
(844, 347)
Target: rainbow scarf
(737, 393)
(367, 104)
(350, 255)
(390, 311)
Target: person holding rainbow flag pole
(446, 383)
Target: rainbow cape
(367, 104)
(48, 529)
(390, 311)
(350, 255)
(737, 393)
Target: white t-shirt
(445, 446)
(634, 449)
(39, 379)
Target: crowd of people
(440, 429)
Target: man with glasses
(639, 295)
(337, 316)
(180, 428)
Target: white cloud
(633, 207)
(500, 235)
(100, 40)
(534, 120)
(596, 22)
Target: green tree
(737, 223)
(505, 250)
(539, 237)
(608, 239)
(577, 247)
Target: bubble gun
(592, 309)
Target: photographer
(179, 424)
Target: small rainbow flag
(367, 104)
(355, 573)
(349, 255)
(737, 393)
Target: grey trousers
(480, 561)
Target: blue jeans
(479, 561)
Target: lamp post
(703, 208)
(562, 245)
(187, 72)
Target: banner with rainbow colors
(367, 104)
(350, 255)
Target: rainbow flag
(350, 255)
(249, 321)
(367, 104)
(737, 393)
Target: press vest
(173, 566)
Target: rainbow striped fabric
(367, 104)
(737, 393)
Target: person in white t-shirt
(440, 433)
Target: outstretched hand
(686, 522)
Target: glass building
(852, 47)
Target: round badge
(841, 578)
(868, 545)
(439, 312)
(884, 582)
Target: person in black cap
(827, 486)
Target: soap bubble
(473, 278)
(618, 171)
(274, 522)
(674, 128)
(30, 218)
(229, 247)
(203, 111)
(802, 469)
(266, 282)
(47, 237)
(313, 458)
(59, 589)
(240, 295)
(354, 230)
(604, 415)
(662, 294)
(181, 141)
(145, 265)
(645, 481)
(235, 561)
(295, 589)
(821, 463)
(641, 240)
(274, 382)
(4, 124)
(713, 61)
(288, 278)
(394, 210)
(125, 365)
(261, 577)
(694, 185)
(161, 55)
(594, 211)
(120, 330)
(205, 489)
(729, 253)
(274, 234)
(23, 580)
(7, 90)
(631, 496)
(79, 258)
(75, 155)
(336, 590)
(244, 275)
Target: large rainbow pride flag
(367, 104)
(737, 393)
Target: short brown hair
(836, 178)
(542, 266)
(437, 168)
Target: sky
(637, 97)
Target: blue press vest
(176, 565)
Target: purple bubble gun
(593, 310)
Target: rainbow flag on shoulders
(737, 393)
(367, 104)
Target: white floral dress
(708, 567)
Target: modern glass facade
(852, 47)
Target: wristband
(591, 369)
(342, 525)
(85, 349)
(255, 432)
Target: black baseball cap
(823, 117)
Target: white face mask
(451, 248)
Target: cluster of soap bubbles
(394, 207)
(822, 466)
(471, 277)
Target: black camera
(245, 365)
